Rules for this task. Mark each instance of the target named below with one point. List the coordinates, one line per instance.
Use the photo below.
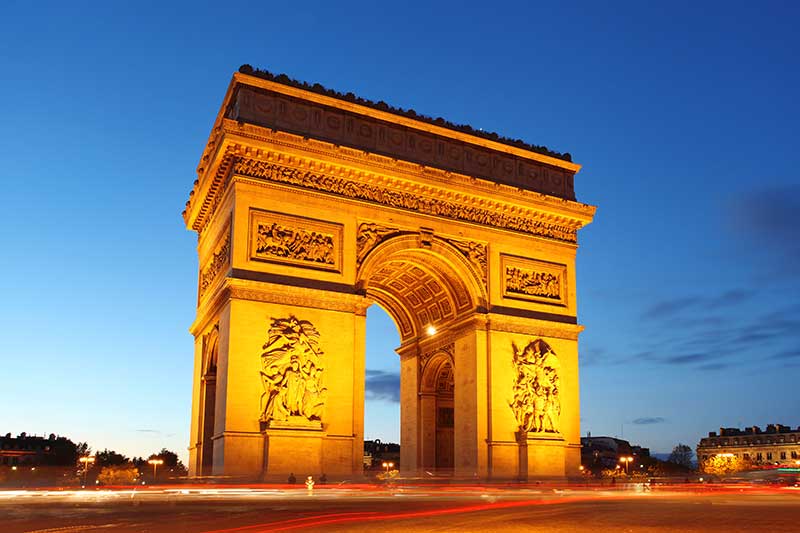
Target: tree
(172, 463)
(681, 455)
(118, 475)
(110, 458)
(64, 451)
(723, 464)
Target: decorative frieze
(536, 403)
(292, 375)
(538, 281)
(298, 241)
(351, 188)
(220, 258)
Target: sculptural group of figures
(292, 372)
(536, 403)
(279, 241)
(532, 283)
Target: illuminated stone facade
(776, 445)
(309, 209)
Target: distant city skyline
(685, 125)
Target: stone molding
(397, 197)
(532, 327)
(575, 214)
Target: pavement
(408, 509)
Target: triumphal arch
(310, 206)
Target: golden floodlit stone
(308, 209)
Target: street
(408, 509)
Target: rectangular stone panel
(293, 240)
(533, 280)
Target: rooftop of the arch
(408, 113)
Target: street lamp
(86, 460)
(155, 463)
(627, 460)
(387, 466)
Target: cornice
(532, 327)
(259, 291)
(250, 140)
(539, 215)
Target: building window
(769, 456)
(794, 455)
(783, 455)
(758, 456)
(746, 456)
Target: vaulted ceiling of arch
(427, 297)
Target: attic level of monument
(408, 113)
(281, 107)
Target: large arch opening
(208, 401)
(428, 290)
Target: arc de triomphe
(310, 206)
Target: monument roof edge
(417, 123)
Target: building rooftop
(753, 430)
(408, 113)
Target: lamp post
(627, 460)
(155, 463)
(86, 460)
(387, 466)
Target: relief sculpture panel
(292, 371)
(536, 403)
(294, 240)
(540, 281)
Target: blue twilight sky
(684, 116)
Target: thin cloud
(382, 385)
(713, 366)
(649, 420)
(671, 307)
